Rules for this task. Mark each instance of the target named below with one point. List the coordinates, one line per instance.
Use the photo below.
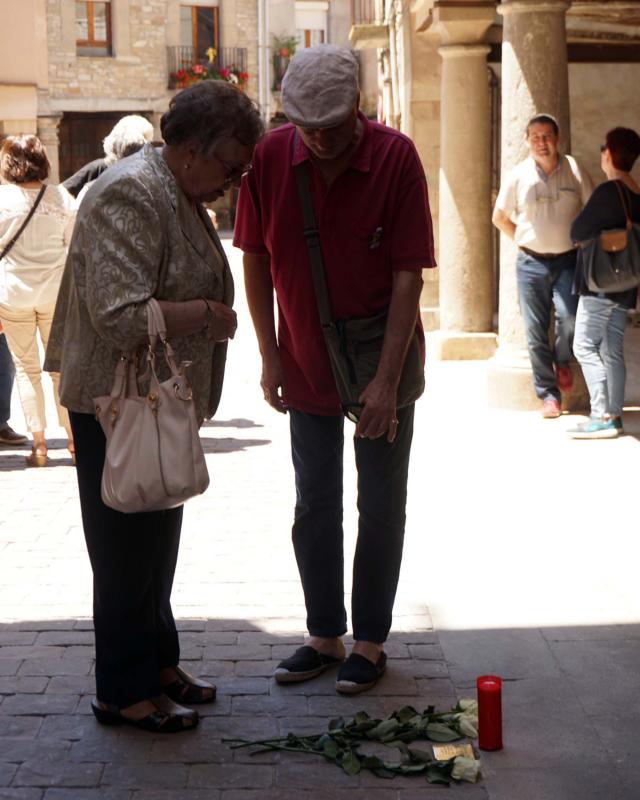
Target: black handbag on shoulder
(354, 345)
(611, 260)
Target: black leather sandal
(304, 664)
(189, 690)
(358, 674)
(168, 717)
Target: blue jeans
(599, 347)
(317, 444)
(542, 282)
(7, 371)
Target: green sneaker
(617, 421)
(596, 429)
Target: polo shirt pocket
(370, 240)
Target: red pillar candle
(489, 712)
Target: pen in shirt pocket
(375, 238)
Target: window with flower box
(93, 28)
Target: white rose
(465, 769)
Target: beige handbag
(154, 458)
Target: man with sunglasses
(537, 203)
(369, 196)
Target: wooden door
(81, 137)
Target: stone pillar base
(462, 346)
(510, 386)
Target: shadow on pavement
(13, 458)
(230, 444)
(231, 423)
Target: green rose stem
(341, 741)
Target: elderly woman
(30, 274)
(602, 317)
(141, 233)
(127, 136)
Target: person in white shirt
(30, 275)
(536, 205)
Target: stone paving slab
(484, 587)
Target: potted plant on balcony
(195, 73)
(283, 48)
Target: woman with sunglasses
(602, 317)
(142, 232)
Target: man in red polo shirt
(372, 211)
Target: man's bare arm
(259, 290)
(501, 220)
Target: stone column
(466, 275)
(48, 135)
(535, 80)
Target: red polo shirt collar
(361, 159)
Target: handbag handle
(32, 211)
(625, 205)
(157, 328)
(156, 325)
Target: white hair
(127, 136)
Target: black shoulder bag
(16, 236)
(611, 260)
(355, 344)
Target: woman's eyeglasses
(233, 172)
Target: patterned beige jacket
(136, 236)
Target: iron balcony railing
(183, 57)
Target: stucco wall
(602, 96)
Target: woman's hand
(222, 321)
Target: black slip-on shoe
(304, 664)
(358, 674)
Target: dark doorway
(81, 138)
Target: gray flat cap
(320, 86)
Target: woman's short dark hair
(209, 112)
(23, 159)
(624, 146)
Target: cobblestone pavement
(515, 576)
